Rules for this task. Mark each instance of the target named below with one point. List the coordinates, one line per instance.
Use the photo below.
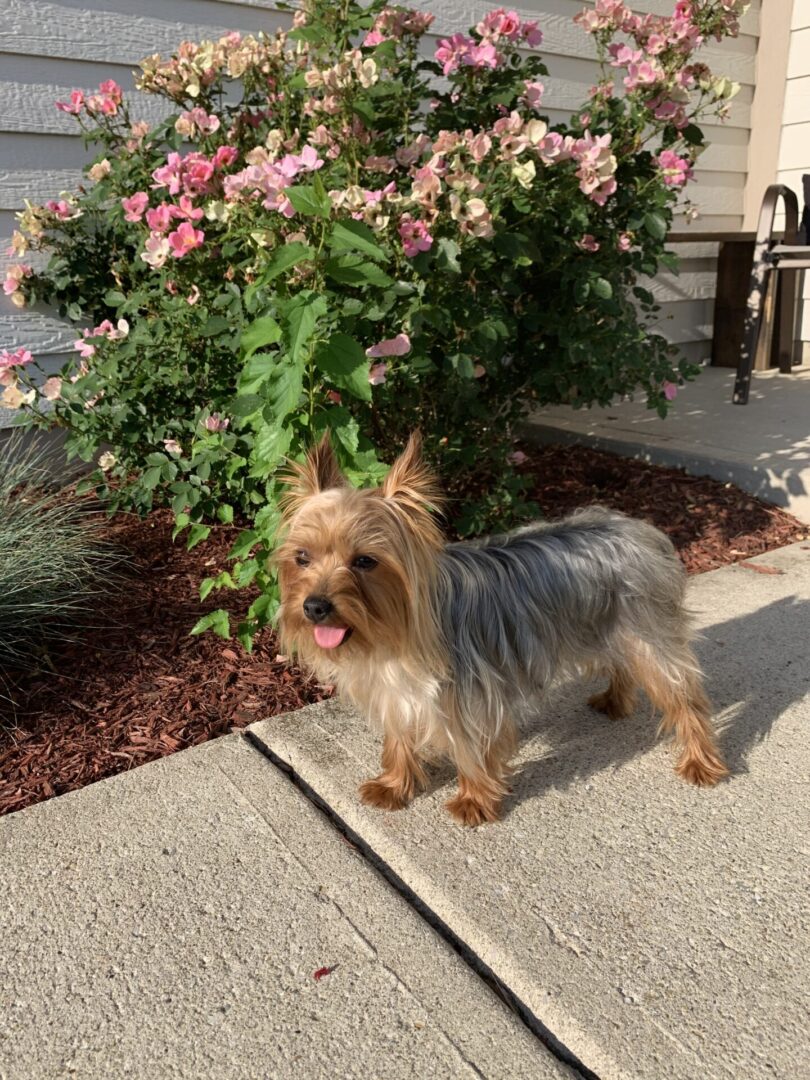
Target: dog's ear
(319, 472)
(410, 482)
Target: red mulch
(711, 523)
(136, 687)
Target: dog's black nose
(316, 608)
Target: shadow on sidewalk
(755, 666)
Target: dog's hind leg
(401, 778)
(619, 699)
(675, 686)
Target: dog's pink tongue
(329, 637)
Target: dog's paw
(382, 796)
(467, 811)
(606, 703)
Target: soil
(135, 686)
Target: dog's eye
(364, 562)
(301, 558)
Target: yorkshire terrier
(445, 645)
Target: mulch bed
(136, 687)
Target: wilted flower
(106, 461)
(172, 446)
(397, 346)
(376, 375)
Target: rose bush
(333, 230)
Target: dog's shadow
(755, 668)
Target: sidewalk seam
(473, 961)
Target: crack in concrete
(476, 964)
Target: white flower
(100, 170)
(106, 461)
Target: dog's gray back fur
(518, 609)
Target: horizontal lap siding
(794, 150)
(47, 49)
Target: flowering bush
(333, 231)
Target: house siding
(794, 149)
(47, 49)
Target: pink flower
(588, 243)
(517, 457)
(457, 50)
(398, 346)
(107, 100)
(501, 24)
(670, 391)
(186, 209)
(74, 106)
(169, 175)
(193, 296)
(625, 242)
(675, 170)
(533, 93)
(135, 206)
(112, 90)
(334, 395)
(52, 388)
(644, 74)
(215, 422)
(62, 209)
(225, 156)
(84, 348)
(14, 277)
(185, 238)
(372, 38)
(159, 219)
(414, 235)
(376, 375)
(531, 34)
(15, 359)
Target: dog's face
(353, 561)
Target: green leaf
(225, 513)
(283, 258)
(283, 389)
(151, 477)
(244, 542)
(215, 325)
(196, 534)
(301, 316)
(602, 288)
(113, 298)
(448, 255)
(656, 226)
(270, 445)
(306, 201)
(260, 332)
(256, 372)
(218, 621)
(353, 270)
(345, 363)
(355, 236)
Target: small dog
(444, 645)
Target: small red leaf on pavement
(321, 972)
(760, 568)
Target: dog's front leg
(401, 778)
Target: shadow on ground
(752, 674)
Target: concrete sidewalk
(763, 447)
(168, 923)
(659, 930)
